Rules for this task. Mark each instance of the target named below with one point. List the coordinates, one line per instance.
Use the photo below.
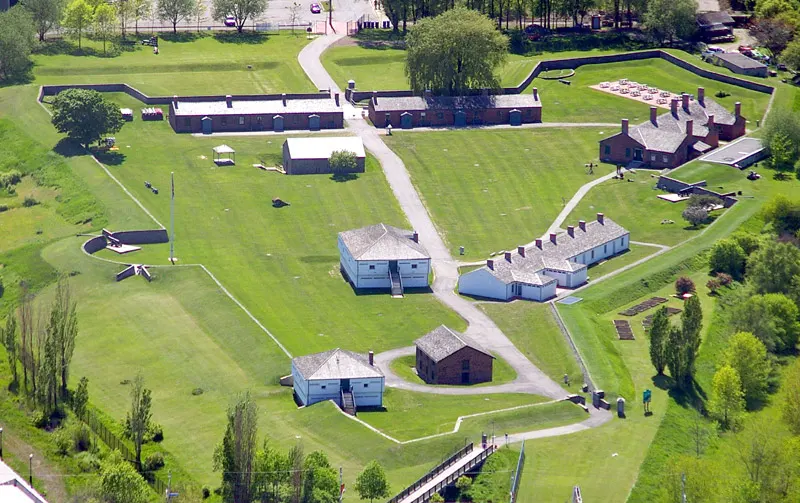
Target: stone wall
(94, 245)
(145, 237)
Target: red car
(315, 8)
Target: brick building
(445, 356)
(305, 156)
(459, 111)
(267, 113)
(691, 128)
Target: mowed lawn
(491, 190)
(207, 65)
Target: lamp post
(30, 470)
(1, 443)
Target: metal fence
(455, 475)
(517, 474)
(433, 473)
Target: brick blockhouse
(445, 356)
(689, 129)
(459, 111)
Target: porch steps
(348, 404)
(397, 284)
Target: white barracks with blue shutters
(561, 261)
(331, 374)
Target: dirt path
(46, 478)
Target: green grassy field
(501, 371)
(207, 65)
(494, 190)
(636, 252)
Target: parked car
(714, 48)
(230, 21)
(315, 8)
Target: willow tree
(454, 52)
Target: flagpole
(172, 220)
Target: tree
(85, 115)
(64, 328)
(242, 10)
(199, 12)
(790, 403)
(791, 55)
(140, 9)
(463, 483)
(774, 34)
(295, 461)
(371, 483)
(294, 13)
(772, 268)
(748, 241)
(782, 122)
(9, 340)
(236, 454)
(671, 19)
(727, 257)
(16, 43)
(782, 153)
(139, 415)
(105, 18)
(695, 215)
(46, 14)
(81, 397)
(271, 469)
(437, 498)
(770, 458)
(683, 343)
(120, 483)
(320, 484)
(174, 11)
(684, 285)
(659, 331)
(783, 214)
(454, 52)
(748, 356)
(124, 13)
(77, 18)
(343, 161)
(727, 400)
(772, 318)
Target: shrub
(155, 433)
(153, 462)
(724, 279)
(722, 94)
(703, 201)
(343, 161)
(87, 462)
(81, 438)
(713, 285)
(9, 178)
(206, 492)
(39, 419)
(29, 201)
(62, 441)
(3, 207)
(684, 285)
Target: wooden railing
(433, 473)
(450, 479)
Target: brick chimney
(689, 127)
(371, 358)
(535, 94)
(521, 251)
(571, 231)
(737, 108)
(508, 256)
(553, 238)
(283, 98)
(673, 106)
(582, 225)
(415, 237)
(600, 217)
(654, 115)
(685, 99)
(701, 95)
(490, 264)
(624, 126)
(229, 101)
(710, 123)
(336, 98)
(539, 244)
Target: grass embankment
(494, 190)
(502, 372)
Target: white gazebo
(224, 155)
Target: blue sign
(646, 396)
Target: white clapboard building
(561, 261)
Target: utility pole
(172, 220)
(683, 487)
(341, 485)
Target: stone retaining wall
(145, 237)
(94, 245)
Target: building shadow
(319, 259)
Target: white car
(230, 21)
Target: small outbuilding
(305, 156)
(350, 379)
(739, 63)
(224, 155)
(445, 356)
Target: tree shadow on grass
(344, 177)
(182, 36)
(110, 158)
(247, 37)
(694, 397)
(67, 147)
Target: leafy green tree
(120, 483)
(371, 483)
(699, 478)
(783, 213)
(748, 356)
(64, 327)
(85, 115)
(104, 22)
(271, 473)
(774, 34)
(727, 257)
(684, 285)
(671, 19)
(242, 10)
(463, 483)
(748, 241)
(683, 343)
(46, 14)
(784, 122)
(16, 43)
(140, 9)
(80, 398)
(659, 332)
(78, 18)
(791, 55)
(9, 340)
(695, 215)
(437, 498)
(790, 397)
(770, 458)
(139, 415)
(236, 454)
(772, 318)
(343, 161)
(454, 52)
(296, 459)
(123, 9)
(727, 399)
(320, 484)
(782, 153)
(174, 11)
(772, 268)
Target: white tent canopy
(224, 154)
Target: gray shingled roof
(531, 268)
(382, 242)
(417, 103)
(739, 60)
(712, 18)
(335, 364)
(255, 107)
(442, 342)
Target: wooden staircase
(397, 283)
(348, 403)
